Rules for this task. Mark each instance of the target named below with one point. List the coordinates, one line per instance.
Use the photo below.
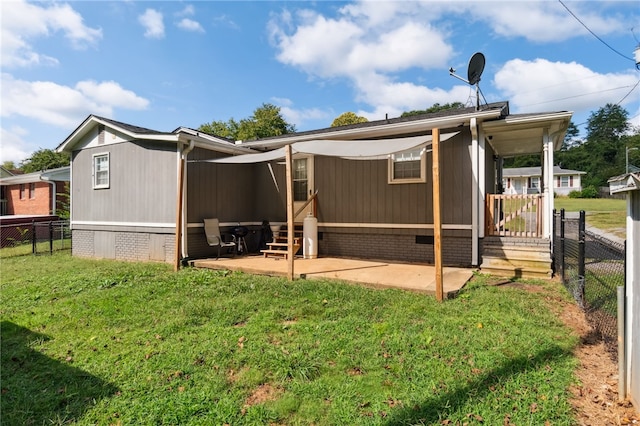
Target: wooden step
(274, 253)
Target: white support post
(482, 184)
(475, 206)
(547, 156)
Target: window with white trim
(300, 179)
(101, 171)
(32, 190)
(408, 166)
(564, 182)
(534, 182)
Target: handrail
(306, 203)
(514, 215)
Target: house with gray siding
(367, 206)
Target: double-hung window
(101, 171)
(408, 166)
(32, 190)
(300, 179)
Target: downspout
(185, 152)
(53, 189)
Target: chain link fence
(34, 237)
(591, 267)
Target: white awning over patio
(372, 149)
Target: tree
(602, 154)
(347, 118)
(9, 165)
(44, 159)
(266, 121)
(434, 108)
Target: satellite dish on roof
(474, 71)
(476, 66)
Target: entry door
(302, 185)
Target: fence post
(562, 247)
(33, 237)
(581, 256)
(50, 237)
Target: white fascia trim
(125, 224)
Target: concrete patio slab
(406, 276)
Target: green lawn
(602, 213)
(103, 342)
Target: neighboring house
(126, 201)
(629, 184)
(35, 194)
(527, 180)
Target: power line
(632, 89)
(595, 35)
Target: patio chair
(214, 237)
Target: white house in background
(526, 180)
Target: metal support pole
(622, 362)
(50, 237)
(33, 237)
(581, 255)
(562, 247)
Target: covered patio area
(379, 274)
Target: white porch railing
(514, 215)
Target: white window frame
(562, 181)
(535, 182)
(394, 158)
(94, 166)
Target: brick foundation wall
(456, 251)
(82, 243)
(129, 246)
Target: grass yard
(103, 342)
(602, 213)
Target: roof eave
(382, 130)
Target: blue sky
(167, 64)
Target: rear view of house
(143, 195)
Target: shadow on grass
(37, 389)
(439, 407)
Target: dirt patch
(595, 397)
(263, 393)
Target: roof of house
(61, 174)
(364, 130)
(624, 183)
(537, 171)
(181, 134)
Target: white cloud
(190, 25)
(298, 117)
(560, 86)
(21, 22)
(14, 147)
(188, 10)
(371, 44)
(64, 106)
(153, 23)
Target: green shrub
(575, 194)
(589, 192)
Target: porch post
(475, 189)
(437, 212)
(180, 188)
(547, 149)
(290, 233)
